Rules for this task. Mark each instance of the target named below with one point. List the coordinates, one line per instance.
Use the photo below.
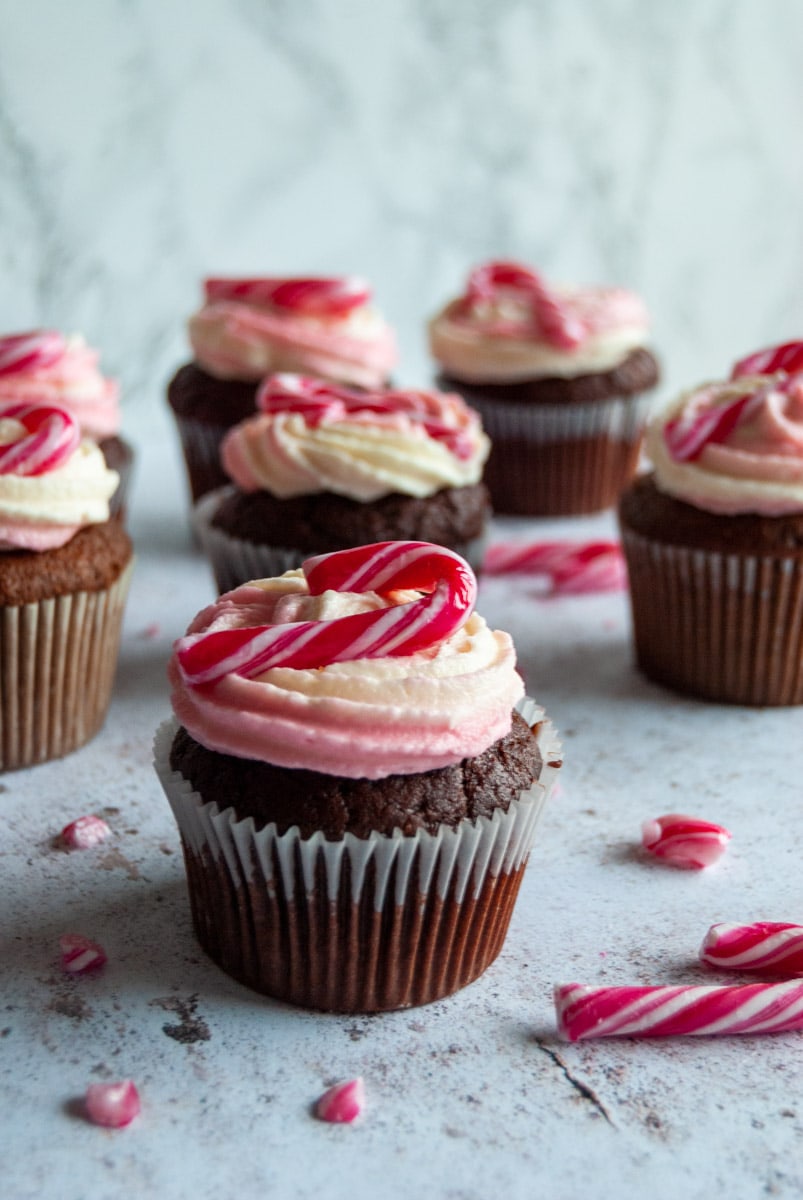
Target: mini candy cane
(112, 1104)
(585, 1012)
(31, 351)
(342, 1103)
(329, 297)
(51, 437)
(317, 401)
(786, 357)
(79, 954)
(384, 567)
(559, 326)
(685, 841)
(84, 833)
(775, 947)
(687, 436)
(572, 568)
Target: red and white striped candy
(586, 1012)
(686, 437)
(342, 1103)
(79, 954)
(112, 1104)
(685, 841)
(385, 568)
(324, 297)
(317, 401)
(51, 437)
(556, 322)
(84, 833)
(774, 947)
(572, 568)
(786, 357)
(32, 351)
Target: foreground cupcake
(249, 328)
(714, 537)
(64, 574)
(355, 793)
(47, 367)
(323, 468)
(559, 376)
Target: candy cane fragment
(593, 1012)
(51, 436)
(786, 357)
(34, 351)
(555, 321)
(685, 841)
(112, 1104)
(571, 568)
(324, 297)
(79, 954)
(774, 947)
(342, 1103)
(84, 832)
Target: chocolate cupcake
(355, 795)
(64, 575)
(559, 376)
(713, 537)
(323, 468)
(249, 328)
(45, 367)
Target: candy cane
(571, 567)
(685, 841)
(786, 357)
(585, 1012)
(385, 567)
(31, 351)
(329, 297)
(775, 947)
(687, 436)
(559, 326)
(317, 402)
(342, 1103)
(51, 437)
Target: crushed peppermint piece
(685, 841)
(773, 947)
(79, 954)
(342, 1103)
(112, 1104)
(84, 833)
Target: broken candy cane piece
(342, 1103)
(685, 841)
(572, 568)
(786, 357)
(84, 832)
(50, 437)
(32, 351)
(318, 297)
(112, 1104)
(775, 947)
(585, 1012)
(79, 954)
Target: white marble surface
(468, 1098)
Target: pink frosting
(70, 379)
(21, 535)
(767, 443)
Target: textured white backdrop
(144, 143)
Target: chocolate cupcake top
(365, 663)
(736, 446)
(510, 325)
(47, 367)
(311, 437)
(248, 328)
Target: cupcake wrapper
(235, 561)
(200, 442)
(725, 627)
(362, 924)
(57, 664)
(561, 460)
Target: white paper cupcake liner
(725, 627)
(455, 884)
(57, 663)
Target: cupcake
(322, 468)
(559, 376)
(64, 575)
(249, 328)
(356, 778)
(46, 367)
(713, 537)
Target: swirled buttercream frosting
(359, 704)
(249, 328)
(311, 437)
(47, 367)
(510, 325)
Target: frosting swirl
(734, 447)
(312, 438)
(403, 714)
(510, 326)
(250, 328)
(61, 371)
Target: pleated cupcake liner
(200, 443)
(561, 460)
(721, 626)
(234, 560)
(360, 924)
(57, 663)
